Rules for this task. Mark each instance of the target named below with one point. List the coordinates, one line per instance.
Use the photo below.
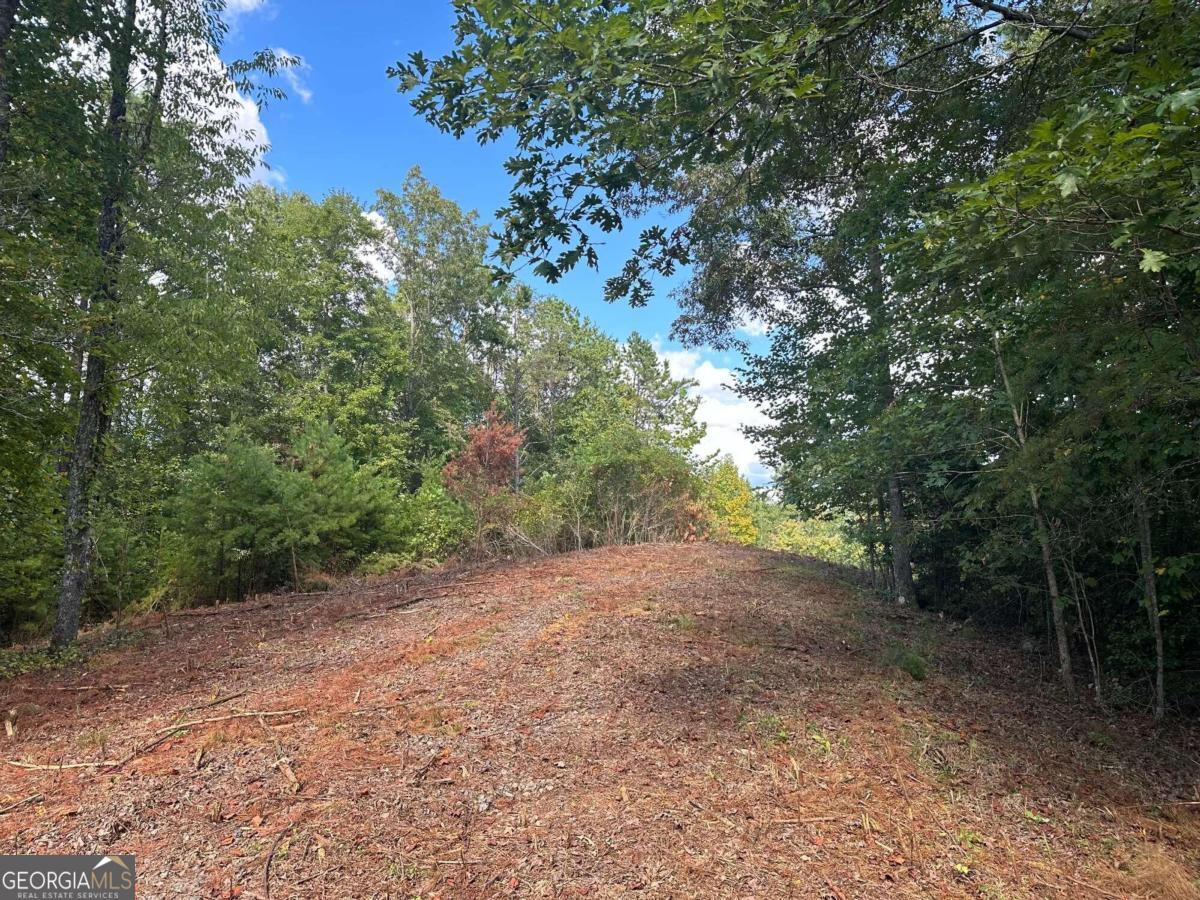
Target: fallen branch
(106, 764)
(421, 772)
(100, 687)
(270, 856)
(320, 874)
(245, 714)
(281, 760)
(812, 821)
(58, 766)
(216, 702)
(409, 601)
(1083, 884)
(146, 748)
(32, 798)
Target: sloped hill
(691, 721)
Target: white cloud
(235, 8)
(247, 121)
(376, 254)
(722, 411)
(294, 75)
(754, 327)
(219, 102)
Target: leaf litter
(694, 720)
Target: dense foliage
(972, 230)
(213, 389)
(326, 438)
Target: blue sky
(345, 127)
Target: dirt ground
(660, 721)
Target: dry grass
(1162, 877)
(691, 721)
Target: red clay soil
(665, 721)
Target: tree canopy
(971, 232)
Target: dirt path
(684, 721)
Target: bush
(431, 524)
(731, 500)
(30, 553)
(541, 517)
(818, 538)
(909, 661)
(623, 487)
(248, 518)
(383, 562)
(482, 476)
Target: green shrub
(248, 518)
(383, 562)
(30, 549)
(819, 538)
(430, 524)
(540, 518)
(623, 487)
(908, 661)
(15, 662)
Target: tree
(661, 404)
(248, 517)
(435, 253)
(128, 144)
(1078, 249)
(562, 373)
(731, 499)
(331, 340)
(93, 415)
(481, 474)
(609, 105)
(8, 18)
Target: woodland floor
(666, 721)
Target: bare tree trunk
(515, 401)
(89, 435)
(8, 16)
(1084, 616)
(901, 534)
(1056, 607)
(1150, 590)
(94, 417)
(871, 557)
(906, 591)
(888, 573)
(1043, 535)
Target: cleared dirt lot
(686, 721)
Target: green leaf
(1152, 260)
(1068, 183)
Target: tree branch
(1016, 15)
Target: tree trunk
(8, 16)
(871, 557)
(93, 416)
(89, 435)
(906, 591)
(1043, 534)
(901, 534)
(1056, 608)
(515, 403)
(1150, 589)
